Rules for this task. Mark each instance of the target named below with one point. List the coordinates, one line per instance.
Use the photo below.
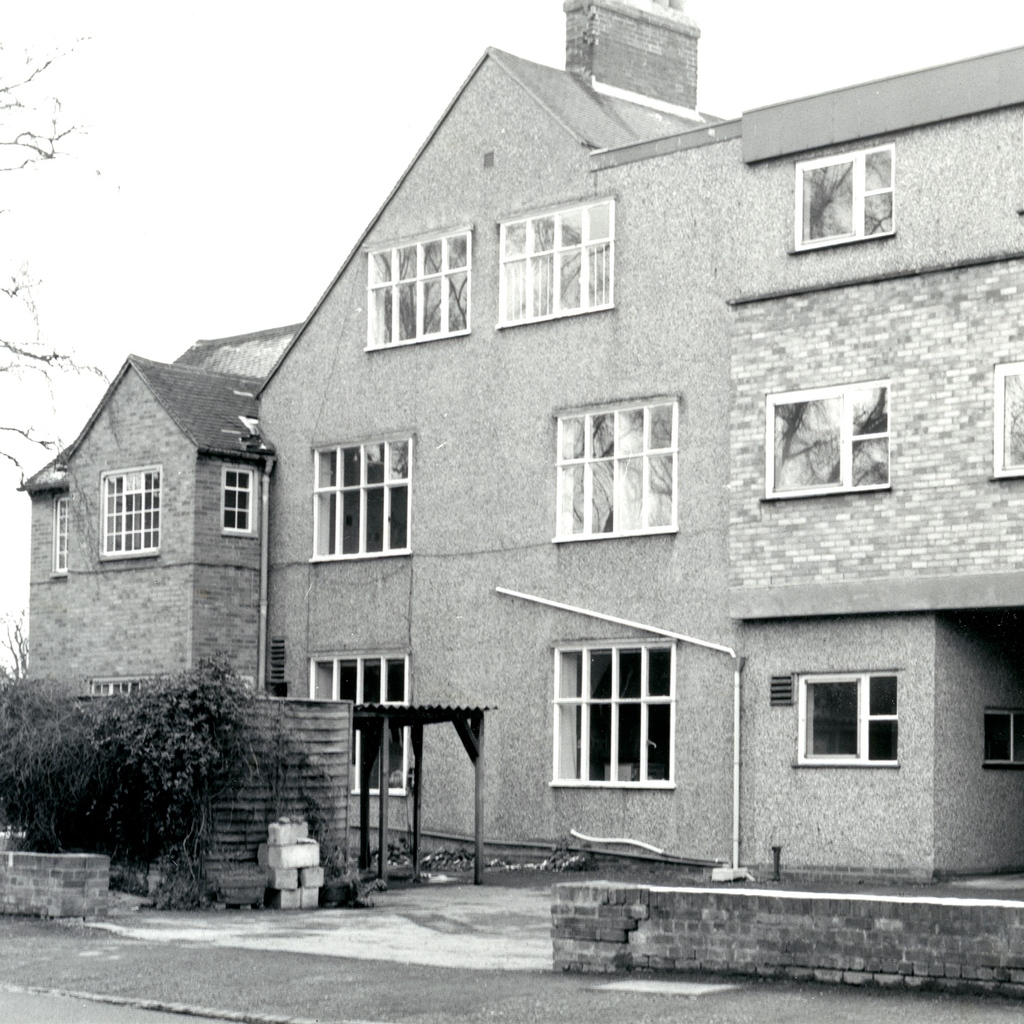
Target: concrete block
(311, 877)
(283, 878)
(281, 833)
(301, 855)
(309, 897)
(282, 899)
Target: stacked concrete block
(292, 862)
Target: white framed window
(849, 719)
(420, 291)
(827, 439)
(238, 492)
(617, 471)
(131, 511)
(1004, 737)
(368, 679)
(1009, 420)
(113, 687)
(615, 716)
(557, 264)
(61, 509)
(845, 198)
(361, 500)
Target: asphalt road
(262, 984)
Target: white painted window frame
(61, 523)
(250, 474)
(114, 687)
(363, 487)
(585, 703)
(588, 462)
(864, 718)
(1011, 713)
(846, 439)
(361, 660)
(106, 551)
(421, 277)
(1002, 371)
(586, 244)
(858, 159)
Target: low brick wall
(916, 942)
(54, 884)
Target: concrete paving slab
(473, 927)
(664, 988)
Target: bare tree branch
(14, 647)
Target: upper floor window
(368, 680)
(844, 198)
(617, 471)
(1009, 420)
(131, 511)
(61, 507)
(558, 263)
(827, 440)
(614, 715)
(237, 500)
(420, 291)
(848, 719)
(1004, 737)
(361, 500)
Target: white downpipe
(261, 654)
(723, 874)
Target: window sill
(121, 556)
(1013, 766)
(652, 784)
(54, 575)
(827, 763)
(418, 341)
(505, 324)
(831, 493)
(238, 533)
(1006, 474)
(832, 243)
(576, 538)
(362, 557)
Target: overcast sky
(230, 154)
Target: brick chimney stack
(634, 48)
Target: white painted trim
(645, 101)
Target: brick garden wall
(949, 944)
(54, 884)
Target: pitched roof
(252, 355)
(52, 477)
(597, 120)
(208, 407)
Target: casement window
(1009, 420)
(615, 716)
(368, 679)
(61, 507)
(131, 511)
(849, 719)
(113, 687)
(1004, 737)
(617, 472)
(845, 198)
(361, 500)
(238, 494)
(557, 264)
(827, 440)
(420, 291)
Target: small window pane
(352, 459)
(878, 214)
(871, 462)
(878, 170)
(571, 228)
(807, 444)
(375, 519)
(883, 696)
(659, 499)
(382, 312)
(399, 525)
(600, 269)
(1018, 737)
(374, 463)
(543, 270)
(515, 290)
(997, 736)
(601, 675)
(406, 312)
(572, 438)
(432, 257)
(600, 742)
(458, 251)
(407, 263)
(515, 239)
(371, 682)
(629, 674)
(630, 432)
(832, 718)
(570, 674)
(572, 500)
(458, 302)
(659, 740)
(630, 500)
(661, 426)
(828, 201)
(324, 688)
(347, 675)
(432, 306)
(882, 740)
(570, 737)
(327, 511)
(380, 268)
(659, 672)
(396, 681)
(628, 761)
(569, 273)
(602, 507)
(600, 222)
(870, 411)
(399, 451)
(602, 430)
(543, 231)
(350, 524)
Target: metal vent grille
(276, 671)
(781, 690)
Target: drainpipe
(261, 656)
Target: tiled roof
(599, 121)
(52, 477)
(206, 406)
(252, 355)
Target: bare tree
(13, 647)
(30, 135)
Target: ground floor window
(848, 719)
(614, 715)
(112, 687)
(1004, 737)
(368, 679)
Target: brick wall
(950, 944)
(936, 337)
(54, 884)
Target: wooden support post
(367, 746)
(417, 789)
(478, 811)
(383, 801)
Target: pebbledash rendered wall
(953, 945)
(482, 414)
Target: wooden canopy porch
(376, 723)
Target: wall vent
(276, 684)
(781, 691)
